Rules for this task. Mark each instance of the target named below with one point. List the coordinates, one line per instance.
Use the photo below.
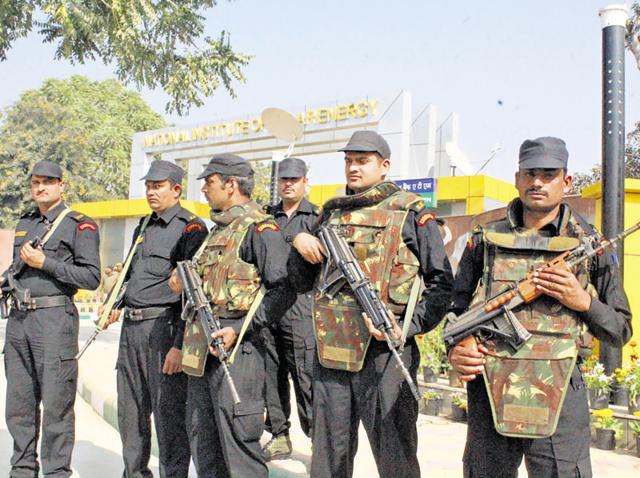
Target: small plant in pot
(459, 407)
(598, 383)
(432, 402)
(432, 353)
(635, 428)
(607, 428)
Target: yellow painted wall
(123, 208)
(631, 248)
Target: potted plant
(459, 407)
(635, 427)
(432, 353)
(607, 428)
(598, 383)
(630, 380)
(432, 401)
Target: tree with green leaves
(85, 126)
(151, 43)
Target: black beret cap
(546, 152)
(292, 168)
(370, 142)
(161, 170)
(227, 164)
(47, 168)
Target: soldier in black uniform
(150, 378)
(42, 334)
(244, 251)
(290, 342)
(376, 394)
(541, 181)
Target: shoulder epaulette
(78, 216)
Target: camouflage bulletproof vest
(375, 233)
(230, 283)
(527, 388)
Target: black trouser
(143, 389)
(225, 438)
(40, 366)
(564, 454)
(379, 397)
(288, 353)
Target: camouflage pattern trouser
(143, 389)
(41, 370)
(288, 352)
(379, 397)
(225, 438)
(565, 454)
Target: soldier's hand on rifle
(377, 333)
(173, 361)
(33, 257)
(174, 282)
(467, 360)
(309, 247)
(562, 285)
(229, 338)
(114, 316)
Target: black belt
(41, 302)
(145, 314)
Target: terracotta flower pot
(429, 376)
(432, 406)
(598, 399)
(458, 414)
(605, 439)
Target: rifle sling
(55, 225)
(247, 320)
(411, 306)
(115, 292)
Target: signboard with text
(425, 187)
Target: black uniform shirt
(170, 237)
(265, 248)
(72, 257)
(303, 219)
(609, 318)
(422, 236)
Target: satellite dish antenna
(283, 126)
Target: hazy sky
(540, 59)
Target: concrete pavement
(98, 446)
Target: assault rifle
(494, 319)
(197, 308)
(8, 284)
(347, 269)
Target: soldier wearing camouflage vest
(243, 269)
(398, 245)
(532, 402)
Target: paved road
(97, 451)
